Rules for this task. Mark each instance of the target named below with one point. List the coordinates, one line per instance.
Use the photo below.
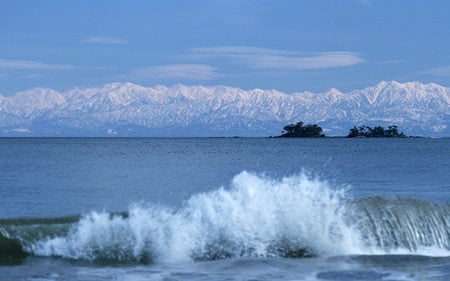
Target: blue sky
(289, 45)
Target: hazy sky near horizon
(289, 45)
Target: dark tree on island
(377, 132)
(300, 130)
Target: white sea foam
(257, 216)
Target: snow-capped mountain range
(126, 109)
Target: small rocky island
(300, 130)
(377, 132)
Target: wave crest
(257, 216)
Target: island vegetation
(300, 130)
(376, 132)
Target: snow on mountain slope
(129, 109)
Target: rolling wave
(258, 216)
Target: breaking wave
(258, 216)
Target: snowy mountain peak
(122, 87)
(334, 91)
(39, 98)
(410, 86)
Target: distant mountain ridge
(126, 109)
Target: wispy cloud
(439, 71)
(177, 71)
(28, 65)
(104, 40)
(262, 58)
(387, 62)
(34, 76)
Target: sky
(288, 45)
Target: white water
(256, 217)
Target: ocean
(224, 209)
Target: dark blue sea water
(224, 209)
